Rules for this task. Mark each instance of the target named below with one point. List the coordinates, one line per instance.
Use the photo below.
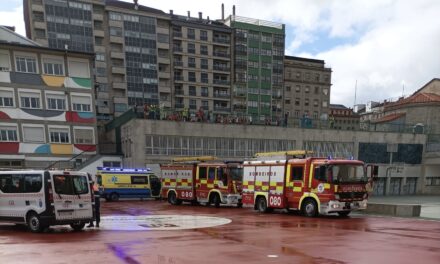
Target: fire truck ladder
(194, 159)
(283, 154)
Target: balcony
(178, 63)
(222, 95)
(221, 68)
(221, 54)
(178, 78)
(222, 108)
(117, 55)
(180, 92)
(276, 96)
(221, 40)
(120, 85)
(191, 65)
(193, 107)
(204, 66)
(204, 38)
(240, 92)
(118, 69)
(240, 107)
(177, 34)
(177, 49)
(221, 82)
(191, 36)
(205, 80)
(179, 105)
(204, 94)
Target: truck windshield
(236, 174)
(347, 173)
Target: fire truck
(291, 180)
(202, 180)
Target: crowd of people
(156, 112)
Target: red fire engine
(290, 180)
(202, 180)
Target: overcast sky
(389, 47)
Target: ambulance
(118, 183)
(291, 180)
(41, 198)
(202, 180)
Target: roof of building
(200, 22)
(418, 98)
(388, 118)
(131, 6)
(428, 83)
(9, 36)
(303, 59)
(338, 106)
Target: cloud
(14, 18)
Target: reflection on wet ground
(224, 235)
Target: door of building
(395, 184)
(411, 185)
(379, 187)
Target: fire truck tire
(215, 199)
(309, 208)
(172, 199)
(344, 213)
(262, 205)
(77, 226)
(34, 223)
(240, 205)
(114, 197)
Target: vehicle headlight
(335, 206)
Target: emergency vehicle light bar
(284, 153)
(123, 170)
(198, 158)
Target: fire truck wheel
(262, 205)
(240, 205)
(114, 197)
(215, 199)
(172, 199)
(344, 214)
(309, 208)
(77, 226)
(34, 223)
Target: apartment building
(201, 63)
(131, 42)
(342, 117)
(258, 67)
(307, 84)
(47, 109)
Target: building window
(115, 16)
(287, 88)
(307, 89)
(306, 102)
(79, 68)
(191, 48)
(204, 35)
(111, 164)
(191, 62)
(192, 91)
(6, 98)
(325, 91)
(324, 103)
(26, 64)
(81, 103)
(204, 92)
(4, 61)
(191, 76)
(56, 101)
(296, 101)
(204, 64)
(33, 133)
(316, 90)
(101, 71)
(8, 133)
(30, 100)
(191, 33)
(205, 105)
(53, 67)
(98, 41)
(315, 115)
(192, 104)
(163, 38)
(287, 102)
(100, 57)
(298, 89)
(433, 181)
(203, 49)
(204, 77)
(297, 113)
(59, 135)
(120, 107)
(84, 135)
(116, 31)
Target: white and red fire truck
(202, 180)
(312, 185)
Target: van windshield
(70, 185)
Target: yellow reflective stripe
(245, 182)
(312, 166)
(288, 173)
(297, 189)
(279, 189)
(258, 183)
(272, 184)
(210, 185)
(326, 186)
(336, 188)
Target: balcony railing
(178, 63)
(222, 108)
(178, 78)
(222, 82)
(221, 68)
(177, 34)
(179, 105)
(220, 54)
(221, 40)
(177, 49)
(221, 95)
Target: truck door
(202, 182)
(63, 196)
(83, 201)
(295, 184)
(155, 185)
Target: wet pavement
(233, 236)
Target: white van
(43, 198)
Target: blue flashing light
(329, 157)
(124, 169)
